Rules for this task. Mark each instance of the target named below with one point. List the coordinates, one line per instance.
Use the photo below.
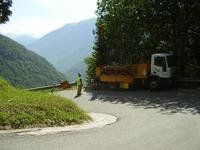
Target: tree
(138, 28)
(91, 65)
(5, 11)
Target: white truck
(160, 70)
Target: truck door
(158, 66)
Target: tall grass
(21, 109)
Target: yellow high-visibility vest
(79, 81)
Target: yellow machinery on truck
(154, 73)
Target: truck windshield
(160, 61)
(171, 61)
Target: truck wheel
(153, 84)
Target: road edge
(99, 120)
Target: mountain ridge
(24, 39)
(25, 68)
(68, 45)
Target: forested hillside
(24, 68)
(129, 30)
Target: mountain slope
(24, 39)
(68, 45)
(24, 68)
(76, 68)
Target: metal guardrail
(44, 87)
(50, 86)
(72, 83)
(180, 80)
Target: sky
(38, 17)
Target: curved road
(147, 121)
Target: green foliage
(4, 85)
(19, 109)
(4, 118)
(128, 30)
(91, 65)
(5, 11)
(24, 68)
(20, 120)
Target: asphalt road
(168, 120)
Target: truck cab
(162, 69)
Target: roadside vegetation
(22, 109)
(127, 31)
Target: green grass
(21, 109)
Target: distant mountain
(75, 69)
(22, 39)
(67, 46)
(25, 39)
(24, 68)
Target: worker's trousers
(79, 89)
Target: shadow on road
(169, 102)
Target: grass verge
(21, 109)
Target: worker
(79, 85)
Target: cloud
(36, 27)
(71, 10)
(37, 17)
(66, 3)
